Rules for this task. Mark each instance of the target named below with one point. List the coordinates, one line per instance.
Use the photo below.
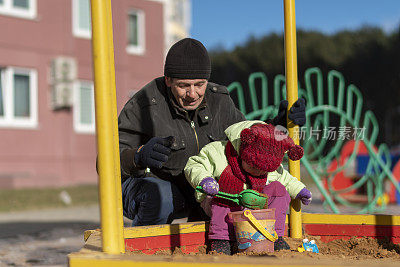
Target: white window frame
(78, 126)
(9, 120)
(140, 48)
(8, 9)
(76, 30)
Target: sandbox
(343, 240)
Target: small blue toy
(308, 246)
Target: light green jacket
(211, 162)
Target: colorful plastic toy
(308, 246)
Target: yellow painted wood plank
(350, 219)
(93, 243)
(99, 259)
(165, 229)
(125, 263)
(88, 233)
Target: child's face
(252, 170)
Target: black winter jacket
(153, 112)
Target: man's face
(189, 93)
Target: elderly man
(166, 122)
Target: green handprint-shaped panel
(333, 120)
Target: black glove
(154, 153)
(297, 113)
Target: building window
(18, 97)
(18, 8)
(136, 32)
(81, 20)
(84, 118)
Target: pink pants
(222, 228)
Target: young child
(250, 159)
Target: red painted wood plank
(165, 242)
(184, 250)
(352, 230)
(328, 238)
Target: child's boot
(280, 244)
(220, 246)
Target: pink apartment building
(47, 128)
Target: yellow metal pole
(104, 127)
(291, 88)
(117, 168)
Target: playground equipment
(332, 138)
(106, 247)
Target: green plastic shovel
(248, 198)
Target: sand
(351, 252)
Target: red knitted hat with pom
(263, 147)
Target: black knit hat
(187, 59)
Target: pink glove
(305, 196)
(210, 186)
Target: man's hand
(297, 113)
(154, 153)
(305, 196)
(209, 186)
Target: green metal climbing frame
(335, 107)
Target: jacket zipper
(195, 134)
